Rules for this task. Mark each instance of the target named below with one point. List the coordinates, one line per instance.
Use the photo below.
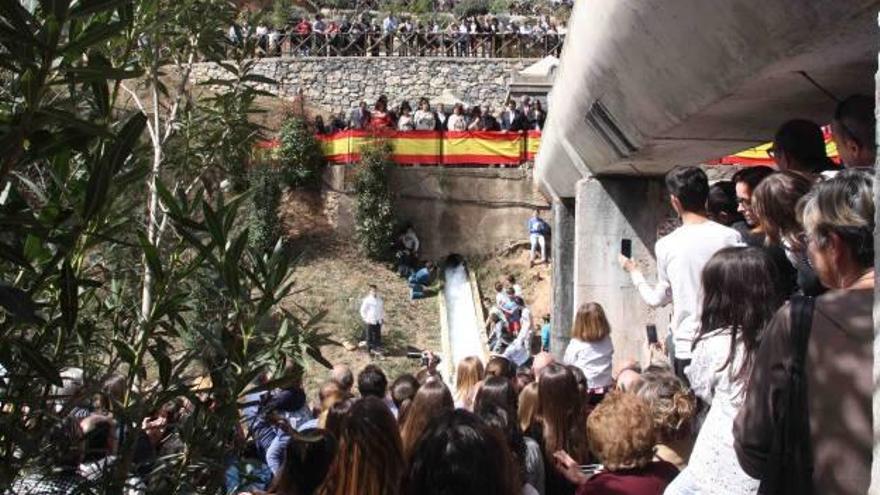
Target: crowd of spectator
(764, 386)
(520, 7)
(473, 36)
(529, 114)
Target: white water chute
(464, 329)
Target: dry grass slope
(332, 275)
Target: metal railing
(412, 44)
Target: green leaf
(99, 88)
(125, 351)
(317, 356)
(169, 201)
(21, 20)
(163, 362)
(151, 254)
(89, 74)
(14, 255)
(86, 7)
(19, 304)
(37, 362)
(257, 78)
(110, 163)
(69, 296)
(63, 118)
(93, 35)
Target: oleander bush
(375, 223)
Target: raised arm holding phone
(681, 256)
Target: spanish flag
(759, 155)
(483, 148)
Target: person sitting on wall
(419, 280)
(407, 252)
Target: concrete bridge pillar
(607, 210)
(562, 250)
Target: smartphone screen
(626, 247)
(651, 330)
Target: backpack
(789, 469)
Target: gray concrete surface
(693, 80)
(608, 210)
(562, 250)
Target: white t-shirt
(681, 257)
(593, 358)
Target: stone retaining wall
(454, 210)
(339, 83)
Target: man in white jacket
(373, 315)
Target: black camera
(425, 358)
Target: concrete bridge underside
(645, 85)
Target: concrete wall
(608, 210)
(454, 210)
(564, 221)
(339, 83)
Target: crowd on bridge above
(473, 36)
(521, 7)
(764, 385)
(528, 114)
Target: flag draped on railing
(432, 147)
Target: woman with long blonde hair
(467, 379)
(528, 406)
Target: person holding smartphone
(681, 256)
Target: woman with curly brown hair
(622, 437)
(673, 408)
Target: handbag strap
(790, 456)
(801, 324)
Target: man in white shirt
(681, 256)
(373, 315)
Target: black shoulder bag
(790, 464)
